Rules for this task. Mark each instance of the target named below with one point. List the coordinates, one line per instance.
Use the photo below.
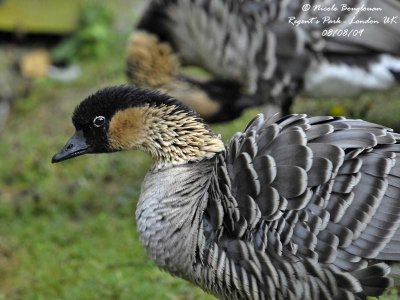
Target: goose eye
(99, 121)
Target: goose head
(125, 117)
(153, 63)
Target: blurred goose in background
(292, 208)
(264, 51)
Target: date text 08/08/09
(342, 32)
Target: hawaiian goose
(266, 49)
(292, 208)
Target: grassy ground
(67, 231)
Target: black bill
(74, 147)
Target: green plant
(92, 40)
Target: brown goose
(292, 208)
(271, 50)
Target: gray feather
(280, 214)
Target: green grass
(67, 231)
(381, 107)
(62, 258)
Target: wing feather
(318, 189)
